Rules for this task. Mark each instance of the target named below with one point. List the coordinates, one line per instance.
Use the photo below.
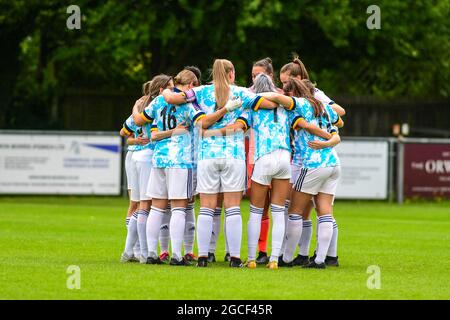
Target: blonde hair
(185, 77)
(221, 68)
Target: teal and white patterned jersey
(174, 151)
(271, 130)
(304, 155)
(229, 146)
(131, 128)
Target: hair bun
(268, 60)
(296, 60)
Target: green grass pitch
(41, 236)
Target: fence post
(391, 154)
(400, 171)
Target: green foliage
(121, 44)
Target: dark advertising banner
(427, 170)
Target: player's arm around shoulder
(140, 118)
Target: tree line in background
(122, 44)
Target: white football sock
(141, 225)
(204, 229)
(132, 235)
(253, 230)
(278, 231)
(189, 231)
(305, 239)
(233, 221)
(286, 218)
(153, 227)
(227, 249)
(217, 219)
(177, 226)
(164, 231)
(332, 250)
(325, 233)
(293, 234)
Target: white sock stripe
(190, 206)
(158, 210)
(135, 215)
(295, 217)
(276, 208)
(256, 210)
(206, 212)
(143, 212)
(179, 209)
(307, 223)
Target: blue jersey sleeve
(245, 118)
(147, 113)
(334, 117)
(249, 99)
(129, 126)
(195, 113)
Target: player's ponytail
(220, 71)
(154, 89)
(146, 88)
(295, 68)
(303, 89)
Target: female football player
(221, 164)
(143, 162)
(171, 175)
(296, 69)
(272, 167)
(319, 174)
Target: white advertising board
(364, 169)
(60, 164)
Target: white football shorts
(170, 183)
(274, 165)
(142, 160)
(221, 175)
(313, 181)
